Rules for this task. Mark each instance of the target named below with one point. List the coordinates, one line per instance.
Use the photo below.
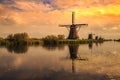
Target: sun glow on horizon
(48, 14)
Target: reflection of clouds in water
(103, 63)
(17, 48)
(43, 64)
(49, 74)
(17, 61)
(114, 52)
(8, 62)
(110, 53)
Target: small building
(96, 37)
(90, 36)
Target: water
(65, 62)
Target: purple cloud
(7, 2)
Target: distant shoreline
(24, 39)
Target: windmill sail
(73, 33)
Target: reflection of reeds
(46, 42)
(118, 40)
(22, 42)
(20, 46)
(17, 48)
(53, 47)
(78, 41)
(49, 42)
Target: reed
(78, 41)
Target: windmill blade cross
(64, 25)
(73, 28)
(79, 25)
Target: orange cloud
(42, 16)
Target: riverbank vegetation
(118, 40)
(20, 42)
(24, 39)
(20, 39)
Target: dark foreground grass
(46, 42)
(78, 41)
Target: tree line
(23, 38)
(17, 37)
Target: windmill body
(73, 33)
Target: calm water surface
(68, 62)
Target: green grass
(48, 42)
(33, 42)
(85, 41)
(23, 42)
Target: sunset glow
(41, 17)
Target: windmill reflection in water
(73, 51)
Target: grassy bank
(46, 42)
(19, 39)
(85, 41)
(118, 40)
(21, 42)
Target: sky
(40, 18)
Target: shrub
(50, 40)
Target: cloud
(17, 9)
(7, 2)
(101, 15)
(56, 4)
(113, 26)
(49, 3)
(7, 21)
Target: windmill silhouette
(73, 33)
(73, 51)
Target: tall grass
(78, 41)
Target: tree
(10, 37)
(18, 37)
(61, 36)
(51, 39)
(21, 36)
(1, 38)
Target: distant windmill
(73, 33)
(90, 36)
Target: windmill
(73, 50)
(74, 56)
(90, 36)
(73, 32)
